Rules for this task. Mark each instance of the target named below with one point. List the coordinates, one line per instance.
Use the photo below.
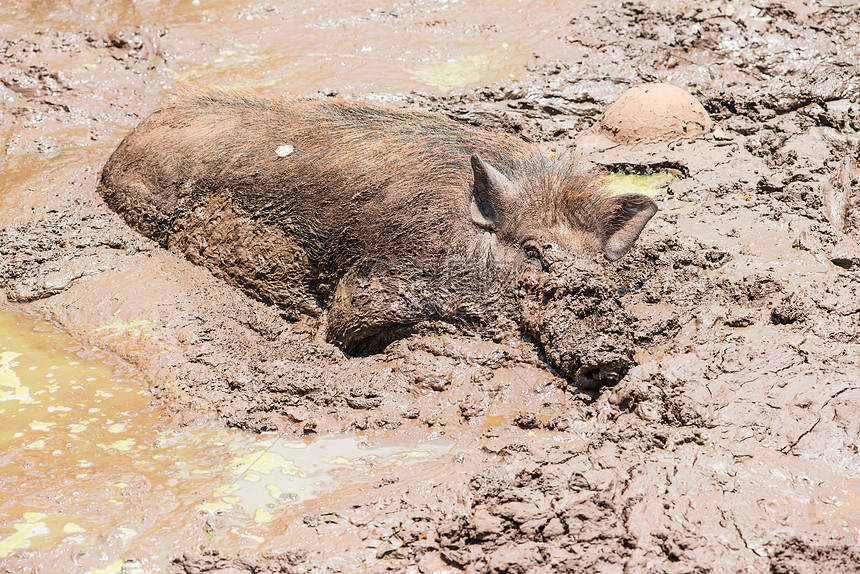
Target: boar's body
(381, 218)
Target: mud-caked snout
(575, 314)
(592, 352)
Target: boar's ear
(626, 217)
(491, 186)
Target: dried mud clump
(46, 257)
(211, 560)
(654, 112)
(606, 509)
(791, 309)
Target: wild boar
(377, 219)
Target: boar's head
(555, 228)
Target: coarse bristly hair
(557, 190)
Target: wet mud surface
(731, 444)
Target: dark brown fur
(384, 217)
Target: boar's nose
(593, 377)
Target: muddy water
(305, 46)
(94, 477)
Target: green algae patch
(120, 327)
(486, 66)
(278, 473)
(262, 462)
(120, 445)
(652, 185)
(42, 426)
(137, 329)
(236, 57)
(114, 567)
(11, 388)
(72, 528)
(262, 516)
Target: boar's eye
(532, 252)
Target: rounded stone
(654, 113)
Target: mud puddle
(304, 47)
(276, 472)
(96, 478)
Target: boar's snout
(575, 314)
(589, 342)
